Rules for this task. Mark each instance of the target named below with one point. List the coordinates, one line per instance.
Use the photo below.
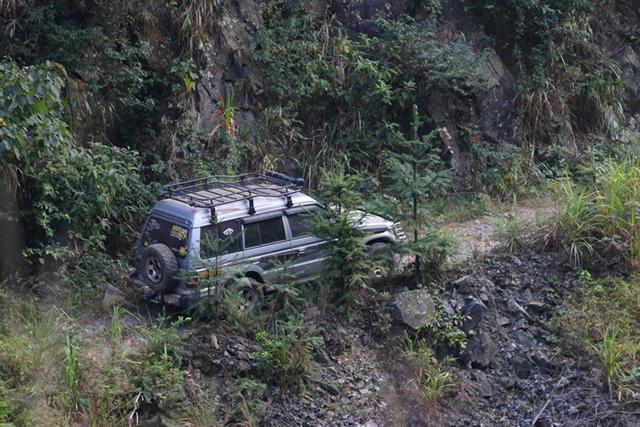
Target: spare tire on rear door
(158, 267)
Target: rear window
(263, 232)
(220, 239)
(300, 224)
(166, 232)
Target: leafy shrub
(114, 93)
(99, 198)
(565, 77)
(92, 195)
(286, 356)
(507, 171)
(156, 368)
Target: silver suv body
(258, 221)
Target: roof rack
(219, 190)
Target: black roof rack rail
(218, 190)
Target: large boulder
(474, 311)
(481, 351)
(113, 296)
(415, 309)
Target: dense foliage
(74, 196)
(335, 96)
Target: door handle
(300, 251)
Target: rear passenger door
(266, 246)
(308, 251)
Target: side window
(251, 235)
(173, 235)
(220, 239)
(300, 224)
(263, 232)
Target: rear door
(168, 232)
(308, 251)
(266, 246)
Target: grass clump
(600, 322)
(433, 380)
(37, 378)
(287, 353)
(597, 223)
(511, 232)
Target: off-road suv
(258, 221)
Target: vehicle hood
(368, 221)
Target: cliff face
(490, 111)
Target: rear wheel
(158, 267)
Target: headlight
(399, 232)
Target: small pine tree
(415, 173)
(348, 262)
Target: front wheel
(383, 259)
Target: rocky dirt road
(478, 237)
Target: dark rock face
(12, 233)
(517, 372)
(415, 309)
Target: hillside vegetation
(428, 112)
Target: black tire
(252, 293)
(376, 252)
(158, 267)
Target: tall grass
(597, 222)
(599, 323)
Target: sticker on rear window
(228, 231)
(178, 232)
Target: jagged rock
(515, 308)
(484, 386)
(484, 295)
(475, 310)
(542, 360)
(414, 308)
(562, 382)
(463, 285)
(524, 339)
(448, 308)
(481, 351)
(321, 357)
(536, 306)
(504, 321)
(113, 296)
(521, 366)
(520, 324)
